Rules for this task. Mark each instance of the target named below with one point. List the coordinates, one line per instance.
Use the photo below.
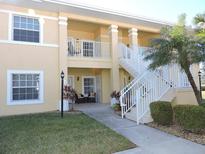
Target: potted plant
(68, 98)
(71, 96)
(115, 103)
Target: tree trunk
(193, 85)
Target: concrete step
(132, 115)
(147, 118)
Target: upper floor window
(26, 29)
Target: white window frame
(11, 28)
(24, 102)
(84, 77)
(82, 49)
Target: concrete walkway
(149, 140)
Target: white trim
(133, 31)
(62, 20)
(40, 20)
(41, 24)
(24, 102)
(29, 43)
(72, 76)
(113, 28)
(28, 14)
(63, 23)
(10, 23)
(83, 77)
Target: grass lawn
(48, 133)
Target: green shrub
(162, 112)
(190, 117)
(116, 107)
(203, 103)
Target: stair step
(132, 116)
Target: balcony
(88, 54)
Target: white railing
(88, 48)
(147, 85)
(135, 63)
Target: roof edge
(113, 12)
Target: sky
(165, 10)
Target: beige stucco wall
(41, 57)
(145, 37)
(27, 57)
(50, 26)
(78, 74)
(106, 85)
(4, 25)
(26, 10)
(50, 31)
(125, 78)
(184, 96)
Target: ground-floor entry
(91, 85)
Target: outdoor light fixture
(62, 86)
(62, 74)
(78, 78)
(31, 12)
(199, 74)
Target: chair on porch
(92, 97)
(80, 99)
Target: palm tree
(178, 45)
(199, 21)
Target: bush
(116, 107)
(190, 117)
(162, 112)
(203, 103)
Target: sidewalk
(149, 140)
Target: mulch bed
(177, 131)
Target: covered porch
(92, 85)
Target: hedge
(190, 117)
(162, 112)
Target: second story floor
(86, 35)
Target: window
(26, 29)
(25, 87)
(88, 85)
(88, 49)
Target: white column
(133, 36)
(63, 45)
(115, 81)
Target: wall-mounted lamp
(78, 78)
(31, 12)
(129, 78)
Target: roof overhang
(83, 10)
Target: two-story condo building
(95, 49)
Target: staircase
(147, 86)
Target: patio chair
(92, 97)
(80, 99)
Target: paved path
(149, 140)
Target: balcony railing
(88, 48)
